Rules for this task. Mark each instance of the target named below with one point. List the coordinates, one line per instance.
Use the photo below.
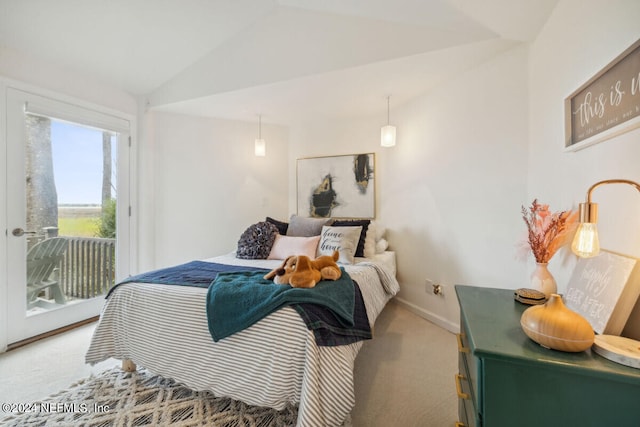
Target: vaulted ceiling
(288, 60)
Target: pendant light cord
(388, 121)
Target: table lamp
(585, 244)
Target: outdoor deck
(86, 270)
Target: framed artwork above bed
(336, 186)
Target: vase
(542, 280)
(553, 325)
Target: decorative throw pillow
(370, 240)
(342, 239)
(256, 241)
(381, 231)
(285, 246)
(375, 242)
(381, 246)
(282, 226)
(300, 226)
(354, 223)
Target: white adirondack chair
(43, 260)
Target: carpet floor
(404, 376)
(124, 399)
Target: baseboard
(433, 318)
(24, 342)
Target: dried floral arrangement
(547, 231)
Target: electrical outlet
(438, 290)
(428, 285)
(434, 288)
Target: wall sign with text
(607, 105)
(604, 289)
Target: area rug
(123, 399)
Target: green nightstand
(506, 379)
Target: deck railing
(88, 267)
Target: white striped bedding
(273, 363)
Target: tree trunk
(42, 197)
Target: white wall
(580, 38)
(206, 165)
(469, 154)
(208, 186)
(50, 76)
(450, 192)
(474, 150)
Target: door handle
(20, 232)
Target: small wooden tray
(624, 351)
(529, 296)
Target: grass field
(78, 221)
(78, 227)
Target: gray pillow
(256, 241)
(306, 227)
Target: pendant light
(261, 145)
(388, 132)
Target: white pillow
(370, 241)
(343, 239)
(284, 246)
(381, 246)
(380, 232)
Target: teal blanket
(237, 300)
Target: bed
(275, 362)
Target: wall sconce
(585, 243)
(388, 132)
(261, 144)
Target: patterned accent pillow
(282, 226)
(342, 239)
(354, 223)
(256, 241)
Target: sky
(77, 163)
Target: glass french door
(67, 212)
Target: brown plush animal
(300, 271)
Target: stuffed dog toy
(300, 271)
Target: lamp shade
(586, 243)
(388, 136)
(260, 148)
